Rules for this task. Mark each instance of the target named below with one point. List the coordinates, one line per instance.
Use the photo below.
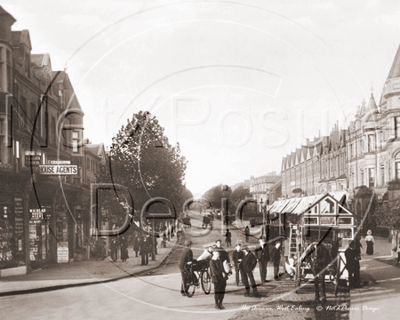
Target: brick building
(41, 121)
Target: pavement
(379, 295)
(80, 273)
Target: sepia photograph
(202, 159)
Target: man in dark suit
(276, 258)
(184, 265)
(247, 266)
(237, 258)
(223, 255)
(262, 255)
(218, 276)
(352, 255)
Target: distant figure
(353, 265)
(247, 233)
(136, 246)
(369, 239)
(114, 249)
(124, 248)
(228, 238)
(144, 251)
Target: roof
(40, 60)
(94, 149)
(6, 13)
(395, 69)
(300, 205)
(21, 37)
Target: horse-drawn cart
(319, 238)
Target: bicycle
(200, 271)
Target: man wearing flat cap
(247, 266)
(184, 265)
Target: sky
(238, 84)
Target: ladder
(294, 246)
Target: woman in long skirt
(369, 239)
(114, 249)
(124, 248)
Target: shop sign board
(58, 162)
(33, 161)
(57, 169)
(62, 252)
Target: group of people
(244, 261)
(119, 244)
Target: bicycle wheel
(206, 282)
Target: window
(371, 143)
(75, 141)
(371, 173)
(9, 68)
(397, 127)
(362, 178)
(53, 130)
(382, 169)
(397, 166)
(1, 69)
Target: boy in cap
(237, 258)
(247, 266)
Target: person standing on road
(276, 258)
(262, 255)
(223, 255)
(396, 247)
(247, 266)
(124, 248)
(184, 265)
(369, 239)
(136, 245)
(114, 248)
(144, 251)
(237, 258)
(228, 238)
(218, 277)
(247, 233)
(353, 265)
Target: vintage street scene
(199, 160)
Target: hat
(369, 232)
(218, 240)
(188, 243)
(245, 248)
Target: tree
(215, 194)
(142, 160)
(388, 214)
(238, 195)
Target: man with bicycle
(185, 266)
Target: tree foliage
(388, 214)
(142, 160)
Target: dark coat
(136, 245)
(276, 255)
(124, 248)
(223, 255)
(144, 246)
(217, 271)
(352, 259)
(262, 254)
(236, 255)
(249, 262)
(187, 256)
